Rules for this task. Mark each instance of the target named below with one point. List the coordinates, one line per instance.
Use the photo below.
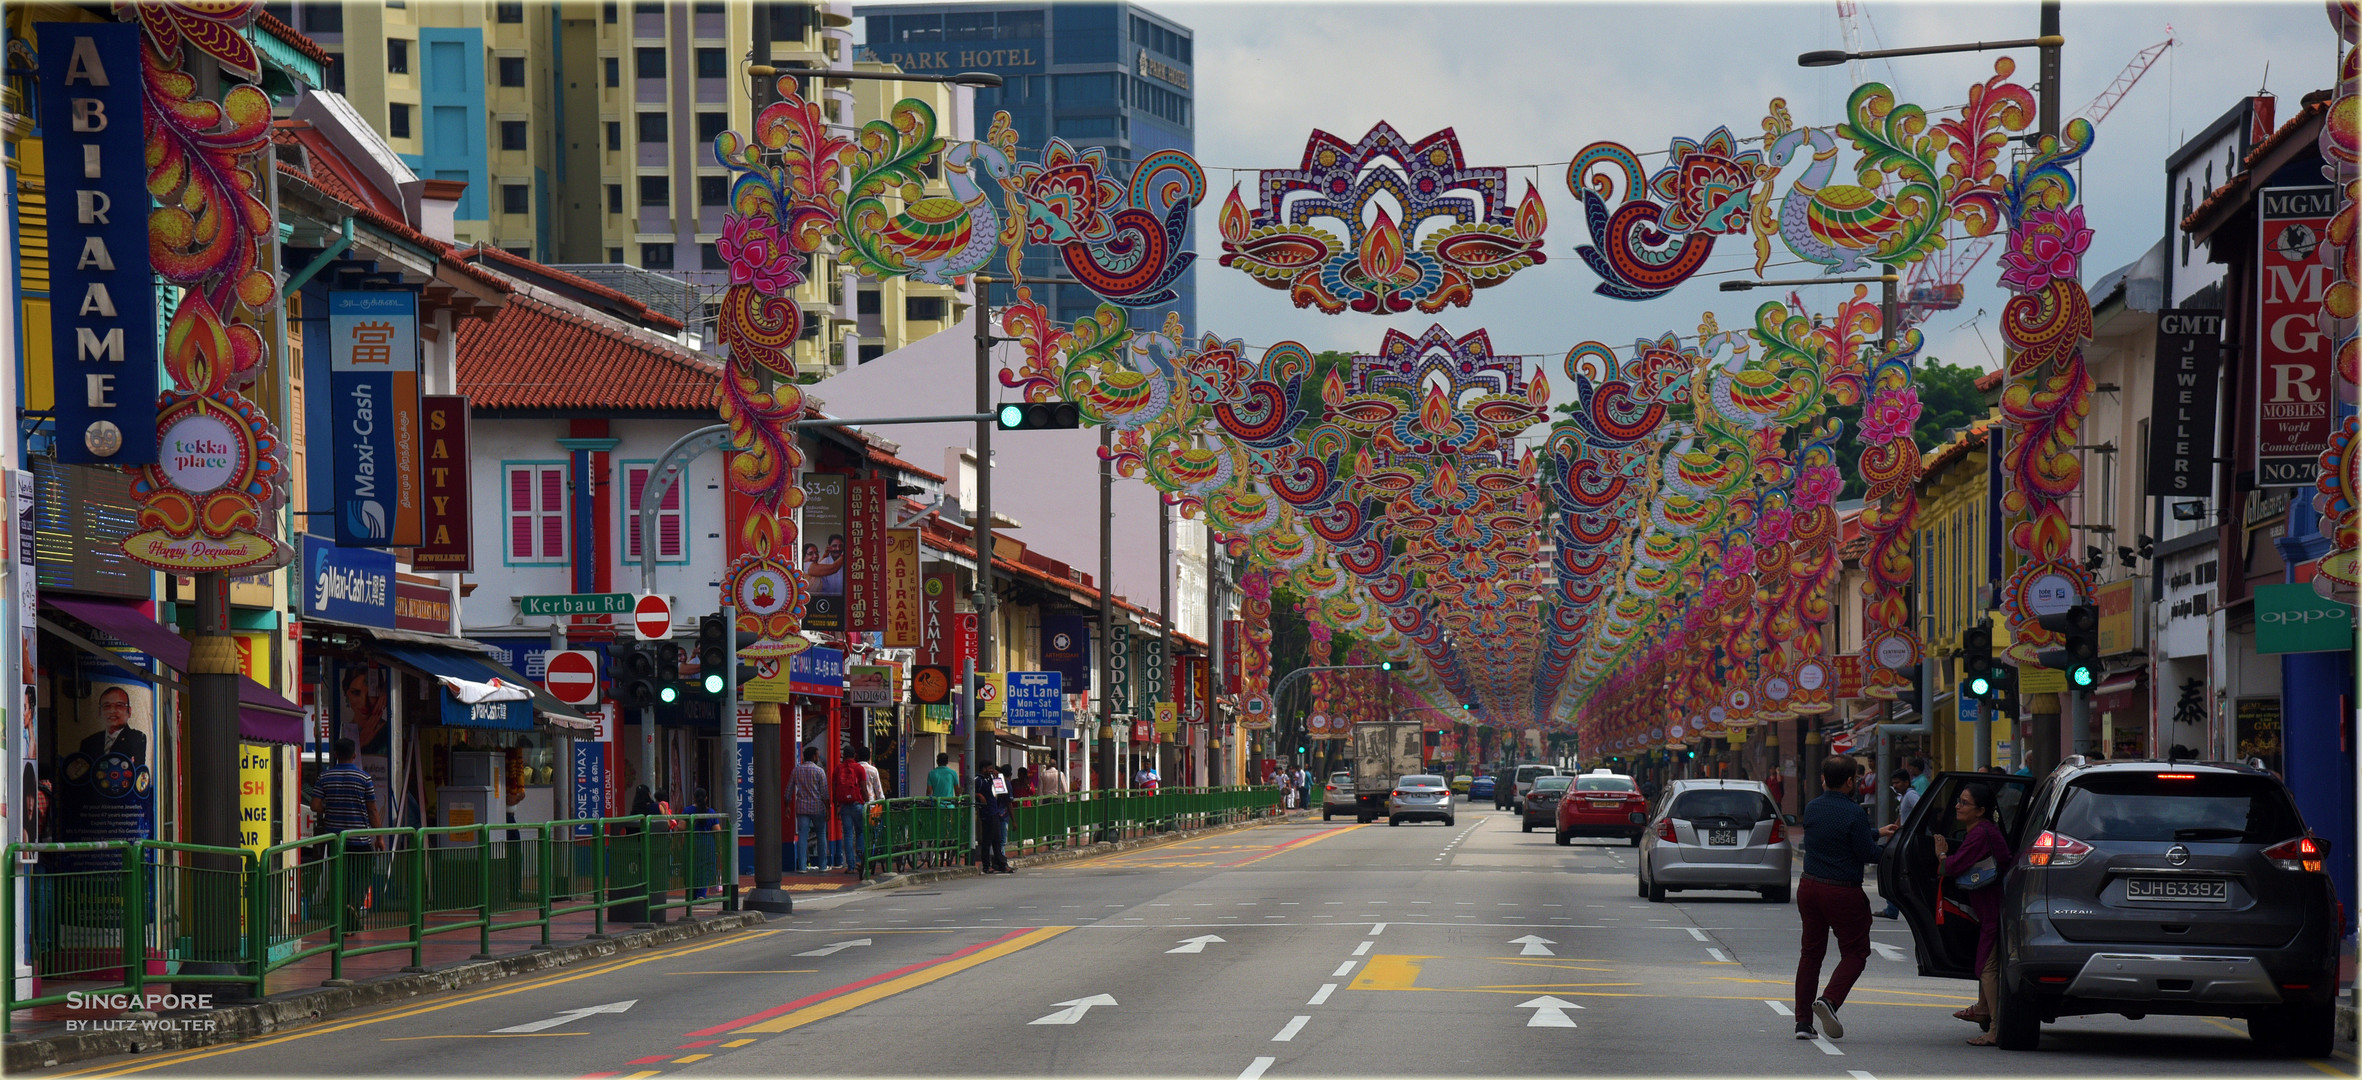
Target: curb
(948, 873)
(2345, 1022)
(294, 1009)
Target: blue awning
(475, 667)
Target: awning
(444, 662)
(263, 715)
(2127, 681)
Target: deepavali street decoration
(2338, 485)
(1457, 232)
(1121, 240)
(212, 506)
(1663, 228)
(2048, 391)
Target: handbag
(1980, 876)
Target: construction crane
(1934, 284)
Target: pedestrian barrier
(917, 834)
(110, 917)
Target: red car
(1601, 803)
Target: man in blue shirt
(1838, 840)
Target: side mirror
(1789, 820)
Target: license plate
(2179, 890)
(1722, 837)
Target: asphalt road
(1295, 949)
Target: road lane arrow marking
(1886, 950)
(1549, 1012)
(1195, 944)
(834, 948)
(1075, 1009)
(1535, 945)
(567, 1017)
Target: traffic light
(1467, 706)
(1385, 665)
(668, 673)
(2078, 653)
(2005, 689)
(717, 649)
(635, 676)
(1039, 415)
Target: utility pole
(767, 896)
(1164, 596)
(213, 761)
(1214, 657)
(980, 534)
(1106, 603)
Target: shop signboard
(905, 602)
(2189, 358)
(422, 608)
(871, 686)
(865, 554)
(445, 542)
(102, 293)
(1066, 646)
(373, 416)
(2295, 401)
(347, 585)
(817, 672)
(824, 550)
(2123, 617)
(256, 828)
(1153, 675)
(2292, 618)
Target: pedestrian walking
(1975, 872)
(1838, 840)
(348, 802)
(1051, 780)
(992, 820)
(1024, 787)
(943, 782)
(807, 798)
(1906, 797)
(854, 786)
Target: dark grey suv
(2140, 887)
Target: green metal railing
(914, 834)
(105, 918)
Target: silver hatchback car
(1419, 796)
(1717, 834)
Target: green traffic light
(1385, 665)
(2084, 676)
(713, 682)
(1980, 686)
(668, 693)
(1012, 415)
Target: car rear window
(2208, 808)
(1550, 783)
(1341, 778)
(1527, 773)
(1603, 783)
(1725, 803)
(1421, 781)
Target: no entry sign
(573, 677)
(652, 617)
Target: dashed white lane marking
(1860, 1074)
(1827, 1047)
(1255, 1071)
(1377, 929)
(1780, 1007)
(1322, 998)
(1695, 932)
(1288, 1033)
(1363, 949)
(1718, 956)
(1886, 950)
(1343, 970)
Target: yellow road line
(402, 1012)
(690, 1058)
(735, 1043)
(848, 1002)
(513, 1035)
(644, 1075)
(2325, 1067)
(781, 971)
(1300, 844)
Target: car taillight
(1665, 832)
(1779, 833)
(2053, 849)
(2305, 853)
(1397, 793)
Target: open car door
(1907, 868)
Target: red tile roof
(2315, 105)
(629, 307)
(537, 355)
(880, 457)
(272, 25)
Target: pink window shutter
(520, 505)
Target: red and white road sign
(573, 676)
(652, 617)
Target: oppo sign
(2293, 618)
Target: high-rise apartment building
(1107, 75)
(584, 131)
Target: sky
(1529, 84)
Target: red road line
(720, 1029)
(1290, 844)
(695, 1045)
